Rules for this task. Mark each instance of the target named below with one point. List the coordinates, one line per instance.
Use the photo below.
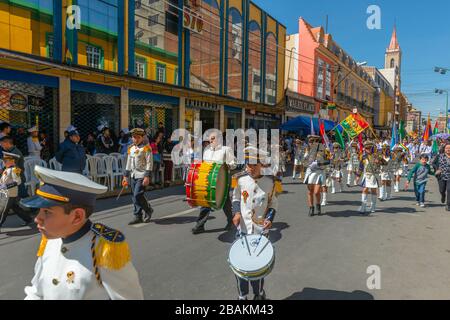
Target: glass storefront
(254, 62)
(235, 54)
(156, 40)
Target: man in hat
(316, 160)
(10, 181)
(33, 143)
(77, 259)
(138, 170)
(71, 153)
(352, 164)
(254, 207)
(216, 152)
(370, 169)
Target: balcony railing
(350, 101)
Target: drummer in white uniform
(254, 207)
(216, 152)
(352, 164)
(77, 259)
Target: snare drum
(207, 185)
(251, 257)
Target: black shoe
(443, 199)
(311, 211)
(136, 220)
(198, 230)
(148, 216)
(319, 209)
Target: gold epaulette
(129, 149)
(147, 148)
(17, 171)
(112, 251)
(236, 177)
(42, 246)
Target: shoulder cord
(94, 261)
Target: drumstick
(248, 247)
(267, 243)
(259, 241)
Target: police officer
(254, 201)
(218, 153)
(77, 259)
(138, 170)
(71, 153)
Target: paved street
(316, 258)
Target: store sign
(202, 105)
(193, 21)
(35, 104)
(297, 105)
(18, 102)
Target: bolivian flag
(331, 106)
(354, 125)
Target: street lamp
(441, 91)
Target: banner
(354, 125)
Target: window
(137, 4)
(152, 1)
(152, 20)
(136, 24)
(256, 80)
(160, 72)
(392, 63)
(153, 41)
(50, 45)
(328, 81)
(320, 78)
(94, 57)
(141, 67)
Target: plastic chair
(31, 181)
(97, 170)
(54, 165)
(100, 155)
(115, 155)
(113, 170)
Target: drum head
(222, 186)
(252, 266)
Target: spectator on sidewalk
(90, 144)
(441, 165)
(47, 148)
(5, 129)
(125, 141)
(33, 143)
(21, 140)
(157, 150)
(167, 158)
(105, 143)
(71, 153)
(419, 175)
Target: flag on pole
(394, 140)
(428, 131)
(339, 137)
(402, 131)
(313, 133)
(323, 134)
(435, 149)
(354, 125)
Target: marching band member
(10, 181)
(327, 178)
(398, 159)
(216, 153)
(316, 159)
(337, 165)
(299, 154)
(370, 168)
(77, 259)
(352, 164)
(385, 174)
(254, 202)
(138, 170)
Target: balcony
(349, 101)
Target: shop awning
(304, 123)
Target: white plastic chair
(100, 155)
(31, 181)
(97, 170)
(115, 154)
(114, 172)
(54, 165)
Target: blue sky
(423, 29)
